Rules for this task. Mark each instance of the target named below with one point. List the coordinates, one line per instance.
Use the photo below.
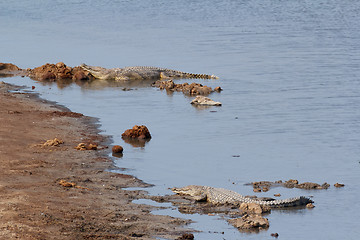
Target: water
(290, 74)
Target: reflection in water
(136, 142)
(117, 155)
(98, 84)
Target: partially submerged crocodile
(140, 73)
(225, 196)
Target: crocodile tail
(201, 76)
(290, 202)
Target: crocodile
(140, 73)
(225, 196)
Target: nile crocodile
(140, 73)
(225, 196)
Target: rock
(48, 76)
(58, 71)
(291, 183)
(253, 208)
(275, 235)
(53, 142)
(137, 132)
(310, 185)
(277, 195)
(257, 189)
(117, 149)
(8, 67)
(67, 184)
(310, 205)
(84, 146)
(10, 70)
(80, 75)
(186, 88)
(248, 222)
(338, 185)
(204, 101)
(218, 89)
(188, 236)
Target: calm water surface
(291, 80)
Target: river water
(290, 71)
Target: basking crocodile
(225, 196)
(140, 73)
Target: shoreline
(35, 206)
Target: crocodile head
(98, 72)
(196, 192)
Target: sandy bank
(33, 205)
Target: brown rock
(291, 183)
(218, 89)
(91, 146)
(338, 185)
(310, 185)
(84, 146)
(58, 71)
(248, 222)
(253, 208)
(257, 189)
(117, 149)
(189, 236)
(8, 67)
(137, 132)
(310, 205)
(53, 142)
(186, 88)
(204, 101)
(277, 195)
(275, 235)
(80, 75)
(48, 76)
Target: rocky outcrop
(204, 101)
(53, 72)
(186, 88)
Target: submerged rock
(204, 101)
(338, 185)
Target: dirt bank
(90, 202)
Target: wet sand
(33, 205)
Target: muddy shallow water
(290, 74)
